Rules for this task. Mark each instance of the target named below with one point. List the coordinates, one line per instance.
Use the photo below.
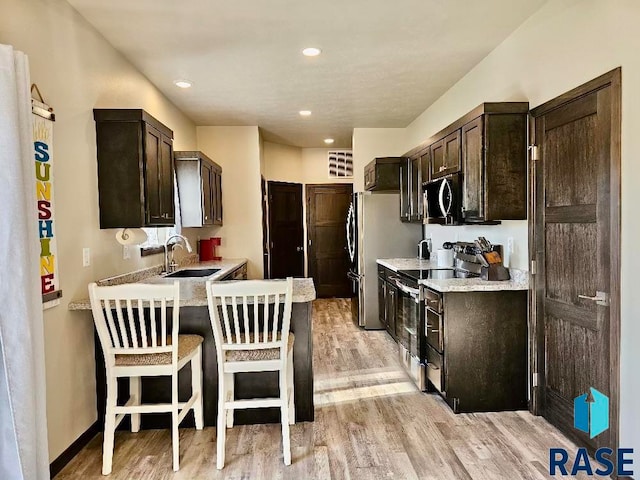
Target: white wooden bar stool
(135, 346)
(260, 344)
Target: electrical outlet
(126, 253)
(86, 257)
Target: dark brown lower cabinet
(478, 360)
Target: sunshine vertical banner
(43, 156)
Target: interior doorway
(328, 259)
(575, 247)
(286, 230)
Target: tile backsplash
(497, 234)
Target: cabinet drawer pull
(432, 366)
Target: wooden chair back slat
(123, 330)
(132, 324)
(227, 326)
(163, 321)
(154, 329)
(113, 332)
(143, 324)
(265, 316)
(276, 317)
(236, 320)
(256, 323)
(245, 314)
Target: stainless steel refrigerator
(374, 230)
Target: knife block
(495, 272)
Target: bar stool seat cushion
(258, 354)
(186, 345)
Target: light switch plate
(86, 257)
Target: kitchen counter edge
(519, 278)
(303, 288)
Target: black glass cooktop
(430, 274)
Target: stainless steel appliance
(442, 200)
(411, 318)
(374, 231)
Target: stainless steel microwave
(442, 200)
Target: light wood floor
(371, 423)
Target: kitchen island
(194, 319)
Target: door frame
(308, 248)
(611, 79)
(269, 184)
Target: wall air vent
(340, 164)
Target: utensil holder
(495, 273)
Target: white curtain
(23, 427)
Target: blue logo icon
(591, 413)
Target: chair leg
(229, 380)
(109, 425)
(135, 391)
(175, 437)
(290, 390)
(196, 387)
(284, 417)
(221, 425)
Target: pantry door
(576, 250)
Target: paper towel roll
(131, 236)
(445, 257)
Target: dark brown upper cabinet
(425, 165)
(445, 155)
(383, 174)
(199, 189)
(489, 147)
(494, 163)
(411, 204)
(135, 169)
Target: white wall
(237, 151)
(565, 44)
(77, 70)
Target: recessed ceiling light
(304, 113)
(182, 83)
(311, 52)
(328, 141)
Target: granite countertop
(519, 278)
(192, 290)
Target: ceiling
(383, 62)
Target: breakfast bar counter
(194, 319)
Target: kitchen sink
(193, 272)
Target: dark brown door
(327, 207)
(265, 228)
(576, 238)
(286, 234)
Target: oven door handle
(414, 292)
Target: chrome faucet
(428, 254)
(169, 267)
